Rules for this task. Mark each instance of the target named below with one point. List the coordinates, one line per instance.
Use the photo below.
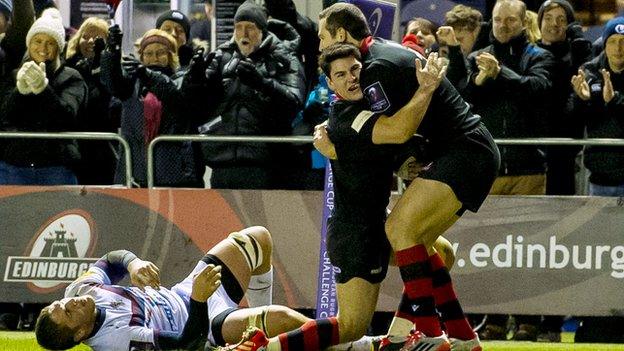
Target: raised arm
(402, 125)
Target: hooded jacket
(603, 120)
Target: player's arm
(322, 142)
(402, 125)
(196, 327)
(117, 264)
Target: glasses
(155, 54)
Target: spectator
(599, 98)
(425, 30)
(14, 25)
(509, 86)
(256, 87)
(152, 105)
(599, 89)
(84, 51)
(48, 97)
(563, 37)
(459, 34)
(307, 29)
(176, 24)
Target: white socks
(260, 290)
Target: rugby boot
(466, 345)
(253, 339)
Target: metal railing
(212, 138)
(79, 136)
(308, 139)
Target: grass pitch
(25, 341)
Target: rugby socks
(452, 314)
(415, 271)
(314, 335)
(403, 321)
(260, 290)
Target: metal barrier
(309, 139)
(79, 136)
(211, 138)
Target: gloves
(574, 31)
(132, 66)
(35, 76)
(114, 38)
(21, 85)
(248, 74)
(198, 66)
(98, 47)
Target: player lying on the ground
(106, 316)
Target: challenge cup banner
(379, 15)
(527, 255)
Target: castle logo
(58, 253)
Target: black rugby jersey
(388, 81)
(363, 170)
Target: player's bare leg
(425, 211)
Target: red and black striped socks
(451, 312)
(314, 335)
(416, 273)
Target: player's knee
(263, 236)
(445, 250)
(281, 319)
(395, 230)
(254, 244)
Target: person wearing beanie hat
(46, 38)
(158, 48)
(250, 22)
(176, 24)
(46, 97)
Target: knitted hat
(249, 11)
(49, 23)
(6, 6)
(565, 5)
(614, 26)
(177, 17)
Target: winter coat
(513, 105)
(174, 163)
(56, 109)
(242, 110)
(13, 45)
(603, 120)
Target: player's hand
(410, 169)
(607, 89)
(206, 282)
(580, 85)
(144, 273)
(430, 76)
(322, 142)
(446, 36)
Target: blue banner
(326, 301)
(380, 16)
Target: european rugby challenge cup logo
(59, 252)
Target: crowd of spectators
(527, 74)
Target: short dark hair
(51, 335)
(334, 52)
(424, 24)
(347, 16)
